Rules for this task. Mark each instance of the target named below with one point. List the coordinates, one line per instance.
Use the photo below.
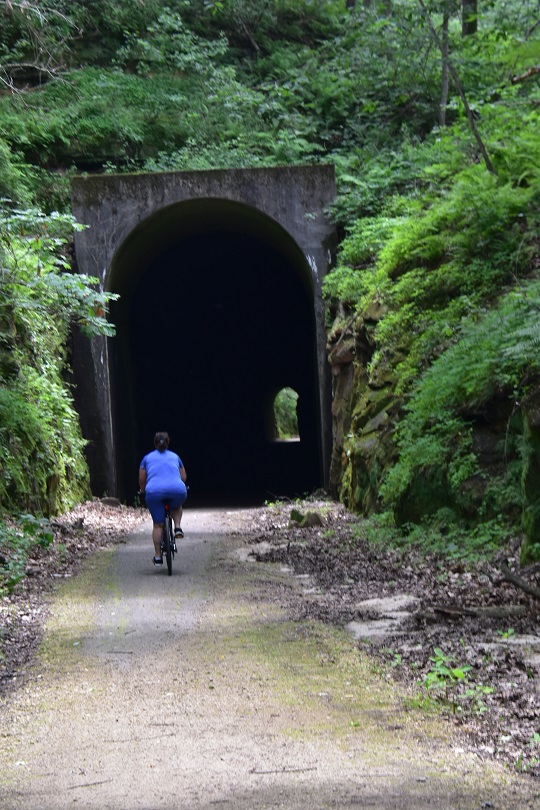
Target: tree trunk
(469, 17)
(445, 78)
(459, 87)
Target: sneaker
(178, 533)
(158, 560)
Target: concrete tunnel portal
(214, 318)
(217, 312)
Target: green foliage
(443, 676)
(21, 433)
(169, 44)
(17, 541)
(443, 535)
(42, 464)
(432, 268)
(490, 356)
(286, 416)
(14, 184)
(439, 256)
(96, 116)
(254, 27)
(356, 276)
(37, 278)
(91, 31)
(32, 36)
(450, 249)
(452, 684)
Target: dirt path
(195, 691)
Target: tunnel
(215, 316)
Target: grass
(315, 672)
(73, 618)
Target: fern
(496, 353)
(525, 347)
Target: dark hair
(161, 441)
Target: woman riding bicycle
(162, 478)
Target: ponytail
(161, 441)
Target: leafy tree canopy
(433, 134)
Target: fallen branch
(510, 576)
(485, 611)
(533, 568)
(499, 611)
(532, 71)
(451, 610)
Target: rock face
(8, 364)
(365, 413)
(362, 417)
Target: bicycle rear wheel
(168, 543)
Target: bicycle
(168, 543)
(169, 534)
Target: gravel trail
(197, 692)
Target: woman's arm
(142, 479)
(183, 474)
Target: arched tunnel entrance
(220, 277)
(215, 316)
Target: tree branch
(44, 59)
(510, 576)
(445, 51)
(532, 71)
(26, 6)
(250, 37)
(461, 92)
(342, 335)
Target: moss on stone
(531, 478)
(428, 492)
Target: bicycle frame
(168, 545)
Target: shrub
(42, 462)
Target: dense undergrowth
(436, 282)
(42, 463)
(456, 275)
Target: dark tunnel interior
(215, 316)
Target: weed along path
(196, 691)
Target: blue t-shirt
(163, 473)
